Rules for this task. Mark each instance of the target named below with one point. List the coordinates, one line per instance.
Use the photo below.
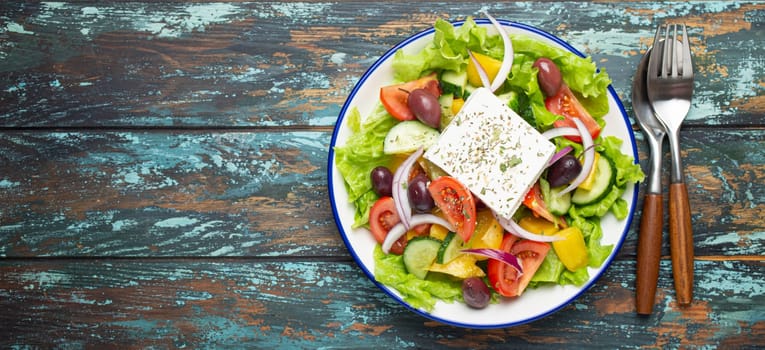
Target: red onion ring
(589, 157)
(399, 230)
(500, 255)
(481, 72)
(511, 226)
(562, 131)
(557, 156)
(507, 59)
(400, 184)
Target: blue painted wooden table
(163, 176)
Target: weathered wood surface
(273, 63)
(164, 193)
(163, 175)
(252, 303)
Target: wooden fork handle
(681, 242)
(649, 252)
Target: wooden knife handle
(649, 252)
(681, 242)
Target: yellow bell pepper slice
(538, 225)
(489, 64)
(438, 232)
(463, 266)
(571, 250)
(488, 233)
(457, 104)
(590, 179)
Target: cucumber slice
(450, 248)
(559, 204)
(605, 177)
(511, 99)
(453, 83)
(469, 89)
(446, 101)
(419, 255)
(408, 136)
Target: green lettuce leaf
(363, 152)
(550, 270)
(421, 294)
(577, 278)
(626, 169)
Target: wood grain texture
(163, 176)
(181, 193)
(265, 63)
(262, 304)
(648, 258)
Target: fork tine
(687, 61)
(654, 60)
(666, 60)
(676, 63)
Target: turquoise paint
(19, 87)
(730, 238)
(206, 230)
(742, 286)
(177, 275)
(176, 222)
(120, 225)
(8, 184)
(194, 17)
(132, 178)
(249, 75)
(193, 295)
(16, 28)
(223, 251)
(338, 58)
(291, 251)
(46, 279)
(143, 326)
(77, 297)
(296, 11)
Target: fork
(670, 88)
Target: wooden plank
(260, 193)
(305, 304)
(164, 193)
(72, 64)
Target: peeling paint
(176, 222)
(17, 28)
(46, 279)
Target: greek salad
(443, 175)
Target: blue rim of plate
(331, 158)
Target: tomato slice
(382, 217)
(536, 203)
(394, 97)
(457, 204)
(566, 104)
(504, 278)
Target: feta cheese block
(493, 151)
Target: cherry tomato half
(394, 97)
(382, 217)
(504, 278)
(567, 105)
(457, 203)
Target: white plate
(534, 303)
